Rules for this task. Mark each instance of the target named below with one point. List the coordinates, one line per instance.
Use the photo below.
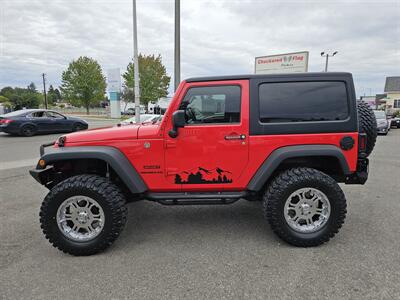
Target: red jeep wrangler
(286, 140)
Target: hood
(128, 132)
(75, 119)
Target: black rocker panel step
(196, 198)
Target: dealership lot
(202, 252)
(23, 151)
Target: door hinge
(172, 171)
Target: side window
(38, 114)
(303, 101)
(54, 115)
(213, 104)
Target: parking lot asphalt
(207, 252)
(24, 151)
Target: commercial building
(391, 101)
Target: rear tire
(28, 130)
(302, 224)
(89, 234)
(367, 124)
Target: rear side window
(303, 101)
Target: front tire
(304, 207)
(83, 214)
(77, 127)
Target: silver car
(383, 124)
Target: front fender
(112, 156)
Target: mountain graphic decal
(202, 175)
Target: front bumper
(382, 128)
(43, 176)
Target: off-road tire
(284, 185)
(367, 124)
(107, 194)
(28, 130)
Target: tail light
(5, 121)
(362, 143)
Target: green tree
(5, 102)
(127, 95)
(32, 87)
(22, 98)
(7, 91)
(83, 83)
(153, 78)
(53, 95)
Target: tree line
(83, 84)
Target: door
(211, 150)
(42, 121)
(58, 122)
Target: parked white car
(145, 118)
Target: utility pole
(136, 65)
(44, 90)
(327, 55)
(177, 68)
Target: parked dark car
(395, 122)
(29, 122)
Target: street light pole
(136, 65)
(177, 68)
(327, 55)
(44, 90)
(326, 63)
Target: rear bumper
(360, 176)
(9, 129)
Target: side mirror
(178, 120)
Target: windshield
(379, 114)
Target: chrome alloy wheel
(80, 218)
(307, 210)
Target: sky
(217, 37)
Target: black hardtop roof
(261, 76)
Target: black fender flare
(115, 158)
(279, 155)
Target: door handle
(235, 137)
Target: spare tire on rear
(367, 125)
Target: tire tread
(272, 199)
(110, 192)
